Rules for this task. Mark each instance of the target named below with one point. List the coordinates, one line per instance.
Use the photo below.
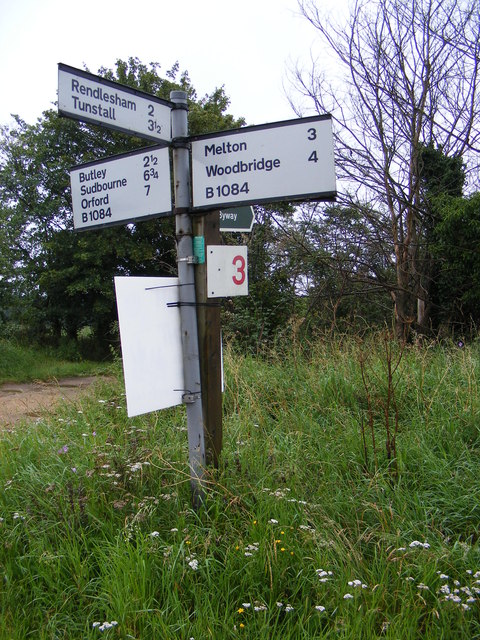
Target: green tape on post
(199, 249)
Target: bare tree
(410, 78)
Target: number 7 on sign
(227, 271)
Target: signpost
(290, 160)
(239, 219)
(86, 97)
(121, 189)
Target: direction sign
(289, 160)
(86, 97)
(122, 189)
(151, 342)
(237, 219)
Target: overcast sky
(246, 46)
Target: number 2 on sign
(239, 263)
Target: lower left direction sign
(122, 189)
(151, 343)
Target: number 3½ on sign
(226, 271)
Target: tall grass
(20, 363)
(306, 532)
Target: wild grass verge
(20, 363)
(305, 531)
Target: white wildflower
(357, 583)
(250, 549)
(193, 564)
(347, 596)
(273, 521)
(453, 598)
(154, 534)
(321, 573)
(319, 607)
(417, 543)
(288, 608)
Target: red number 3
(239, 263)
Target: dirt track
(29, 401)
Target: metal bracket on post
(189, 259)
(189, 398)
(187, 303)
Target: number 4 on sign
(226, 271)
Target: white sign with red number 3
(226, 271)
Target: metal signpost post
(186, 276)
(290, 160)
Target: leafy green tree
(456, 249)
(441, 177)
(64, 279)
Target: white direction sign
(290, 160)
(151, 343)
(226, 271)
(86, 97)
(122, 189)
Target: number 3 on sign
(240, 274)
(227, 271)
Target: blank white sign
(151, 343)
